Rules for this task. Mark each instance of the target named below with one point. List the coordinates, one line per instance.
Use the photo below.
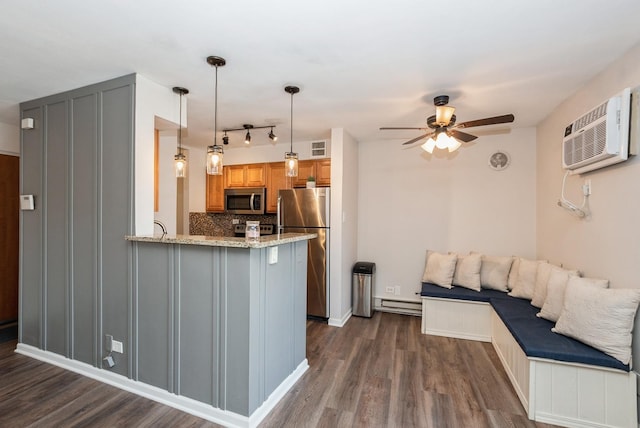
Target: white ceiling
(360, 64)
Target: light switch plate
(273, 255)
(117, 346)
(26, 203)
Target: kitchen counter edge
(224, 241)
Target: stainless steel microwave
(245, 201)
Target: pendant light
(291, 158)
(215, 152)
(180, 159)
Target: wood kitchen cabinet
(276, 180)
(215, 193)
(248, 175)
(320, 169)
(323, 173)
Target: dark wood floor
(378, 372)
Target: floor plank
(378, 372)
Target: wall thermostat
(26, 203)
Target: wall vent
(600, 137)
(319, 149)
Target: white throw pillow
(513, 273)
(540, 289)
(526, 280)
(440, 269)
(602, 318)
(558, 282)
(426, 259)
(467, 273)
(494, 272)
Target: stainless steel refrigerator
(308, 211)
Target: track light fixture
(180, 159)
(291, 158)
(215, 152)
(247, 137)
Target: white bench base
(556, 392)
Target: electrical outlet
(235, 221)
(397, 290)
(117, 346)
(389, 290)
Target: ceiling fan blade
(462, 136)
(487, 121)
(422, 129)
(418, 138)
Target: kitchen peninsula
(220, 320)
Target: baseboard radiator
(399, 306)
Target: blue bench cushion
(460, 293)
(533, 334)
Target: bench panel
(459, 319)
(513, 359)
(583, 396)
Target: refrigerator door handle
(279, 215)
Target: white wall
(344, 224)
(152, 101)
(167, 182)
(607, 244)
(9, 139)
(410, 202)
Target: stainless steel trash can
(362, 286)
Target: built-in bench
(559, 380)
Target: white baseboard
(340, 322)
(188, 405)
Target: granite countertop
(224, 241)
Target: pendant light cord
(215, 113)
(180, 128)
(291, 133)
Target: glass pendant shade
(180, 165)
(291, 164)
(442, 140)
(214, 160)
(429, 145)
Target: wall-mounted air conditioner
(600, 137)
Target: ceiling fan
(442, 131)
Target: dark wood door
(9, 210)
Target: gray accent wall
(216, 324)
(75, 265)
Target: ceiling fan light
(429, 145)
(444, 114)
(442, 140)
(454, 144)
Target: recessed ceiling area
(360, 64)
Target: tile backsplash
(222, 224)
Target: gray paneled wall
(75, 273)
(217, 324)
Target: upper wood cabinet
(319, 169)
(276, 180)
(215, 193)
(249, 175)
(323, 173)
